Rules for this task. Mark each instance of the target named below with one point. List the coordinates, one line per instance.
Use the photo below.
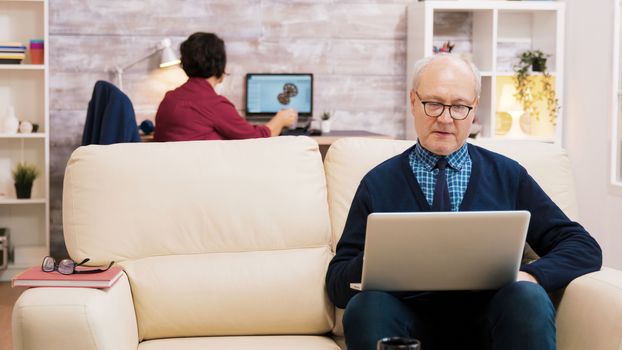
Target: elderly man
(443, 99)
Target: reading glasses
(68, 266)
(436, 109)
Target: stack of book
(12, 52)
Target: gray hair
(424, 62)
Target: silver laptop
(435, 251)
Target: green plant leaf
(528, 92)
(25, 173)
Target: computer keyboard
(295, 132)
(300, 131)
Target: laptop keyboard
(299, 131)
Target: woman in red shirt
(194, 111)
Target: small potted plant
(528, 89)
(24, 175)
(325, 123)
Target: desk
(327, 139)
(324, 140)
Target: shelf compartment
(26, 224)
(22, 21)
(30, 150)
(533, 128)
(24, 90)
(521, 30)
(469, 30)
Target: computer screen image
(267, 94)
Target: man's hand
(524, 276)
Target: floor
(8, 296)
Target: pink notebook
(34, 277)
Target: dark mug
(398, 343)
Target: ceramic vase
(325, 126)
(10, 123)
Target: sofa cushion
(232, 293)
(217, 237)
(134, 200)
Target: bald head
(447, 60)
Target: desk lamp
(509, 104)
(167, 59)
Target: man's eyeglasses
(68, 266)
(436, 109)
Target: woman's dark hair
(203, 55)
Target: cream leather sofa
(225, 246)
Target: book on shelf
(12, 47)
(10, 61)
(12, 55)
(35, 277)
(20, 49)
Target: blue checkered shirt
(422, 163)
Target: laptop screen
(267, 94)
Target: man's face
(451, 83)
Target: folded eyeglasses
(68, 266)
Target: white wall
(587, 109)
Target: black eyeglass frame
(73, 268)
(424, 103)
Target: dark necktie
(441, 202)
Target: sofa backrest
(349, 159)
(216, 237)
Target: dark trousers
(518, 316)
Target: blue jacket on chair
(110, 117)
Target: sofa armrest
(76, 318)
(589, 315)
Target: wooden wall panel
(337, 20)
(355, 48)
(155, 17)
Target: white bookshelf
(492, 34)
(26, 87)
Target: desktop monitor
(268, 93)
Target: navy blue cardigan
(497, 183)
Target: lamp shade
(167, 56)
(507, 101)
